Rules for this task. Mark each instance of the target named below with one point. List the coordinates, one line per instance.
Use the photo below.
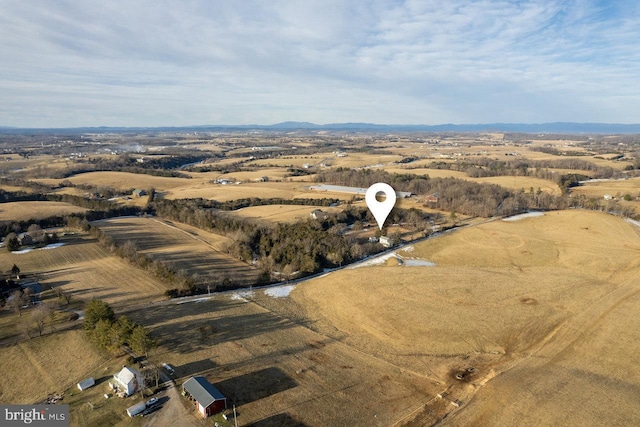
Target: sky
(181, 63)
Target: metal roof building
(207, 398)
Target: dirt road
(173, 412)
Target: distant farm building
(386, 241)
(127, 381)
(319, 214)
(25, 239)
(431, 198)
(352, 190)
(139, 193)
(207, 398)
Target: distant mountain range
(558, 128)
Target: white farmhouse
(128, 380)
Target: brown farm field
(275, 369)
(22, 211)
(33, 369)
(547, 299)
(180, 245)
(85, 269)
(280, 213)
(518, 183)
(512, 182)
(616, 188)
(285, 190)
(122, 180)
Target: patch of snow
(194, 300)
(53, 245)
(601, 180)
(376, 260)
(634, 222)
(242, 295)
(27, 250)
(418, 263)
(279, 291)
(22, 251)
(531, 214)
(408, 248)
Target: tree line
(456, 195)
(157, 165)
(483, 167)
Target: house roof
(126, 375)
(202, 391)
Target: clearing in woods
(182, 246)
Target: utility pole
(235, 419)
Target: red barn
(207, 398)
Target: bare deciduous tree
(17, 300)
(39, 317)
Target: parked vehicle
(168, 368)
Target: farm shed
(127, 380)
(319, 214)
(85, 384)
(134, 410)
(207, 398)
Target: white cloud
(200, 62)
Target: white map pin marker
(380, 210)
